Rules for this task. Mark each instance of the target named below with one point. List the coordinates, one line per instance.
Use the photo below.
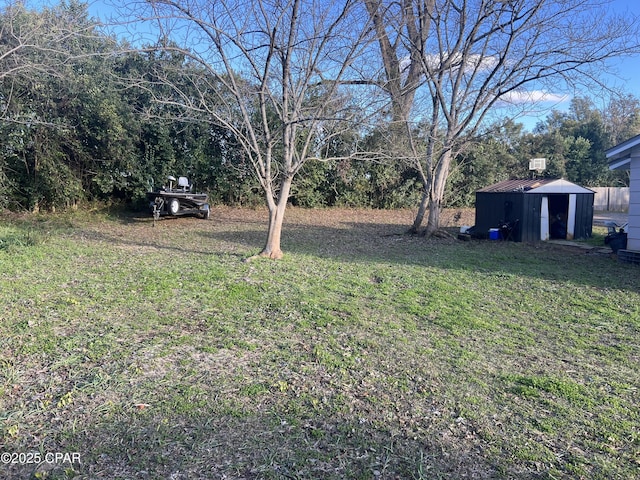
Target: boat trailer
(178, 201)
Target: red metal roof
(517, 185)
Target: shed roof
(544, 185)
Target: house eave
(620, 164)
(621, 147)
(619, 157)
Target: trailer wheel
(174, 206)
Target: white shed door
(571, 217)
(544, 219)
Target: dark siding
(531, 220)
(515, 213)
(584, 215)
(493, 209)
(483, 214)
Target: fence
(611, 199)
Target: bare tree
(622, 118)
(402, 31)
(394, 24)
(480, 56)
(273, 73)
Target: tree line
(343, 98)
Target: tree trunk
(433, 221)
(276, 217)
(422, 209)
(437, 192)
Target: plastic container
(617, 241)
(494, 234)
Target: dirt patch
(243, 230)
(333, 217)
(340, 216)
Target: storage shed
(626, 156)
(534, 210)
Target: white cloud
(471, 62)
(479, 63)
(532, 96)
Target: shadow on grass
(258, 447)
(242, 233)
(389, 243)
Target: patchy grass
(598, 235)
(365, 353)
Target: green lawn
(157, 353)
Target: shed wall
(584, 216)
(493, 208)
(530, 221)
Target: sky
(627, 78)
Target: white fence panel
(611, 199)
